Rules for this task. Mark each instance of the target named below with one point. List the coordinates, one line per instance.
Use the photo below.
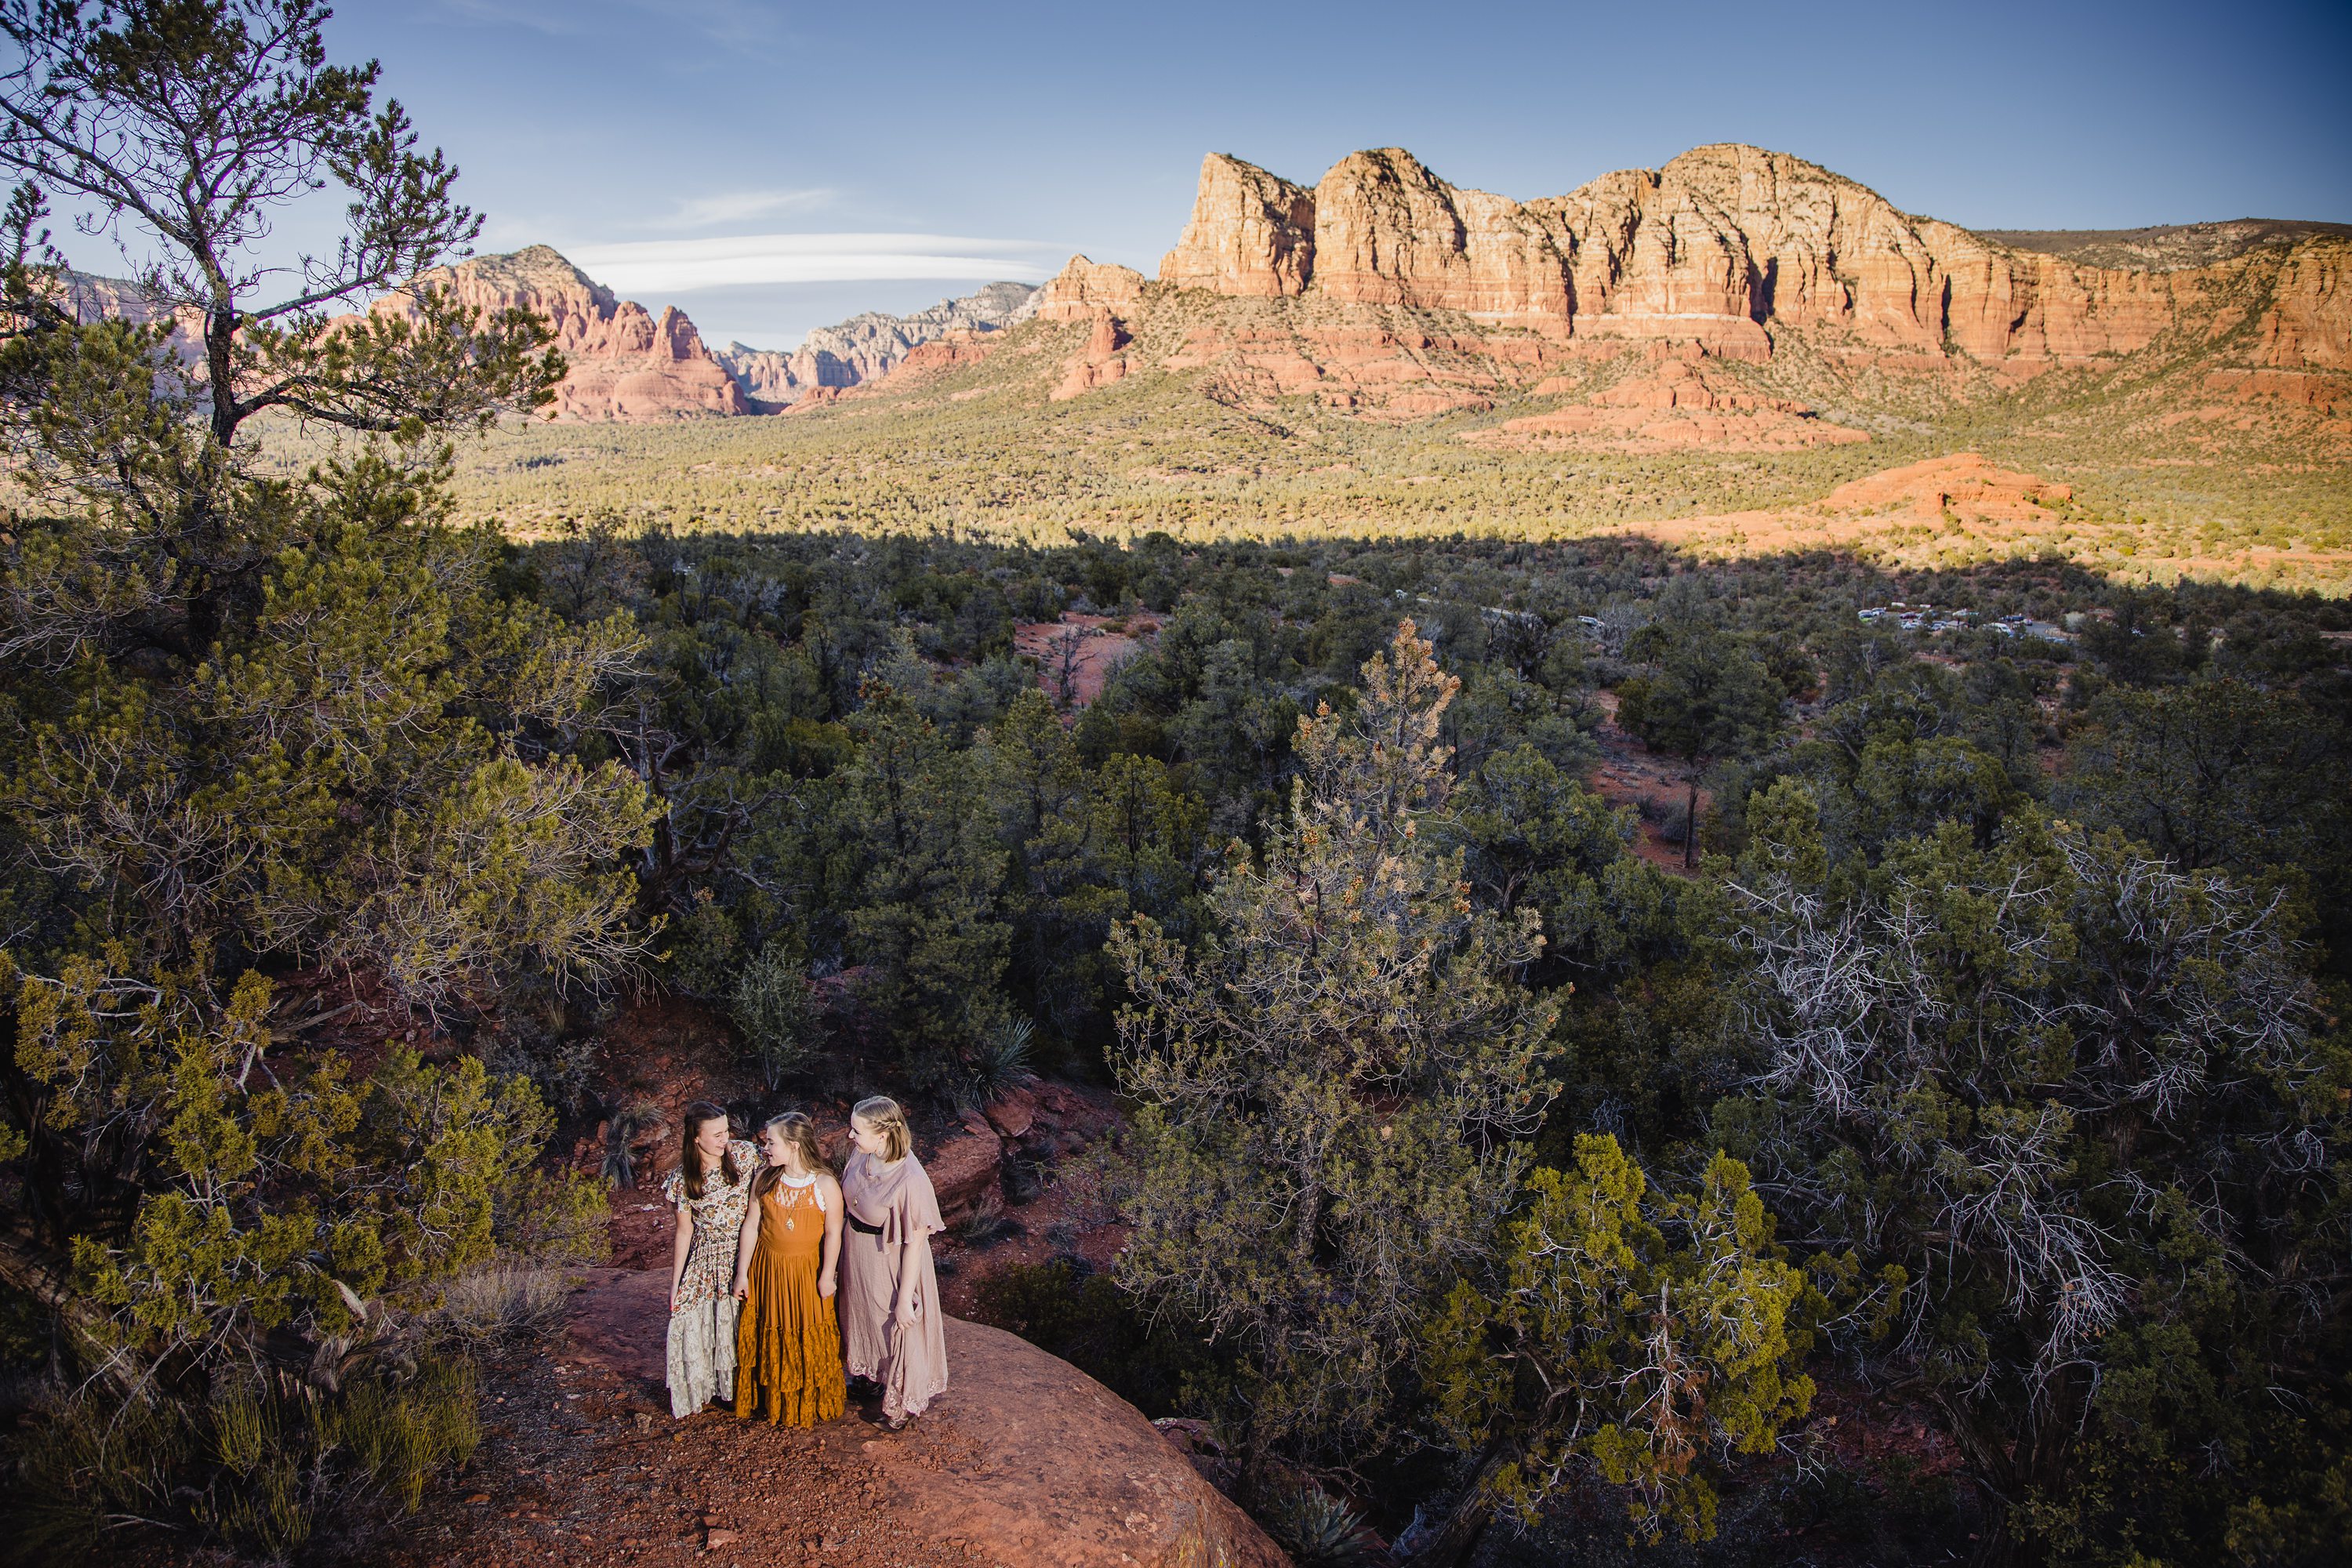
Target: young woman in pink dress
(891, 1330)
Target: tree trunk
(1459, 1535)
(28, 1267)
(220, 370)
(1690, 827)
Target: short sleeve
(674, 1188)
(917, 1208)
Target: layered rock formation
(1724, 247)
(1251, 233)
(625, 363)
(868, 346)
(1083, 289)
(91, 298)
(621, 362)
(2308, 322)
(1389, 232)
(1100, 363)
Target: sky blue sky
(1015, 135)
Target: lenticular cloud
(670, 265)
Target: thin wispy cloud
(739, 24)
(738, 207)
(660, 267)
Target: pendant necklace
(803, 1184)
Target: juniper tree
(1635, 1338)
(915, 867)
(261, 724)
(2085, 1098)
(1085, 850)
(1332, 1090)
(1704, 698)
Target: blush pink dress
(888, 1204)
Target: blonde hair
(798, 1132)
(882, 1113)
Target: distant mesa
(623, 363)
(867, 347)
(2167, 248)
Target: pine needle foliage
(1334, 1089)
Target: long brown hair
(690, 1162)
(883, 1114)
(798, 1132)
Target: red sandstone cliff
(1085, 289)
(1725, 246)
(1251, 233)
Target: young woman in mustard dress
(890, 1323)
(787, 1349)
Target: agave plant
(1001, 1063)
(1319, 1530)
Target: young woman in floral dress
(709, 1190)
(787, 1348)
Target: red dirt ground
(1629, 775)
(1104, 643)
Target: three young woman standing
(770, 1245)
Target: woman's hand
(824, 1283)
(673, 1298)
(905, 1314)
(742, 1289)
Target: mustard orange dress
(787, 1347)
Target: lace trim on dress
(804, 1182)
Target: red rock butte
(1719, 248)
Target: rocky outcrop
(1389, 232)
(91, 298)
(621, 362)
(1945, 511)
(1724, 248)
(2309, 322)
(1084, 288)
(1026, 1462)
(1100, 363)
(1251, 233)
(867, 347)
(2327, 393)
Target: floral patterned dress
(702, 1329)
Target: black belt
(861, 1226)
